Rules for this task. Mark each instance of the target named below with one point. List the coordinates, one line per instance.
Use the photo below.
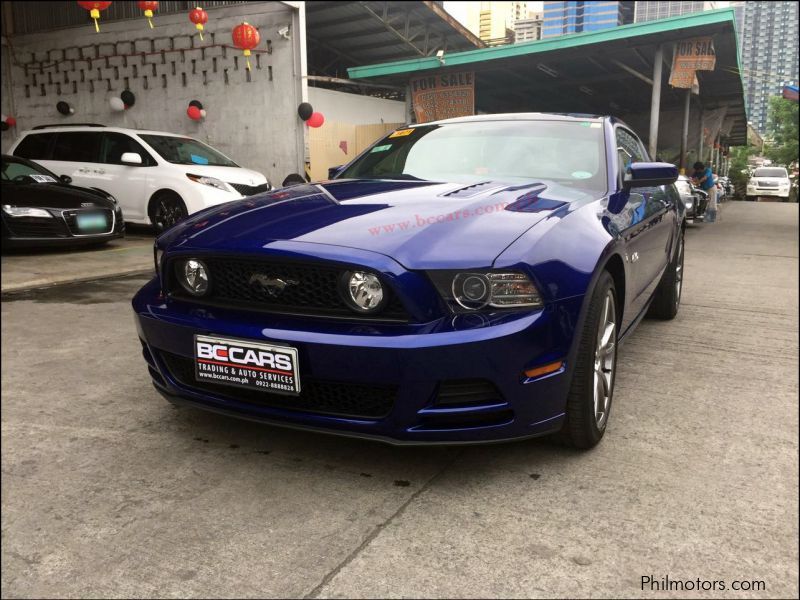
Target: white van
(158, 178)
(769, 181)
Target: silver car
(694, 199)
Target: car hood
(420, 224)
(53, 195)
(238, 175)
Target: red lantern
(315, 120)
(194, 113)
(148, 8)
(94, 9)
(199, 17)
(246, 37)
(11, 122)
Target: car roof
(65, 128)
(531, 116)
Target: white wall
(341, 107)
(255, 122)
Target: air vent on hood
(471, 190)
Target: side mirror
(334, 171)
(65, 179)
(649, 174)
(131, 158)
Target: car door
(646, 224)
(127, 183)
(77, 154)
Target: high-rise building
(769, 55)
(738, 9)
(561, 18)
(527, 30)
(493, 22)
(650, 11)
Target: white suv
(769, 181)
(158, 178)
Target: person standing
(704, 179)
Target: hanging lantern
(94, 9)
(199, 17)
(148, 8)
(246, 37)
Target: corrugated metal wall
(32, 17)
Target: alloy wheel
(168, 213)
(605, 360)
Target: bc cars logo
(236, 355)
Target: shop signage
(692, 55)
(443, 96)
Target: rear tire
(667, 298)
(167, 210)
(592, 388)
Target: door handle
(100, 171)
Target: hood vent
(468, 191)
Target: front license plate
(248, 364)
(91, 222)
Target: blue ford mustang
(467, 280)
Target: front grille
(71, 218)
(311, 289)
(250, 190)
(37, 227)
(322, 397)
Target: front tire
(167, 210)
(667, 298)
(592, 388)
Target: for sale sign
(689, 56)
(443, 96)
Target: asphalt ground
(109, 491)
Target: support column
(685, 132)
(655, 102)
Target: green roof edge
(466, 57)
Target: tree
(782, 124)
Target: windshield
(570, 153)
(771, 172)
(13, 168)
(186, 151)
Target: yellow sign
(689, 56)
(401, 133)
(443, 96)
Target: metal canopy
(348, 34)
(603, 72)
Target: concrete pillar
(685, 132)
(655, 102)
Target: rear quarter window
(77, 146)
(35, 146)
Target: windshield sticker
(383, 148)
(199, 160)
(581, 175)
(43, 178)
(401, 133)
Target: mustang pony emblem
(271, 285)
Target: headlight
(25, 211)
(212, 181)
(497, 289)
(193, 276)
(689, 203)
(362, 291)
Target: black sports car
(42, 209)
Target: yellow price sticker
(401, 133)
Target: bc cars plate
(248, 364)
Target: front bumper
(415, 362)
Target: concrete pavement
(108, 491)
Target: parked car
(694, 199)
(159, 178)
(768, 182)
(465, 280)
(42, 209)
